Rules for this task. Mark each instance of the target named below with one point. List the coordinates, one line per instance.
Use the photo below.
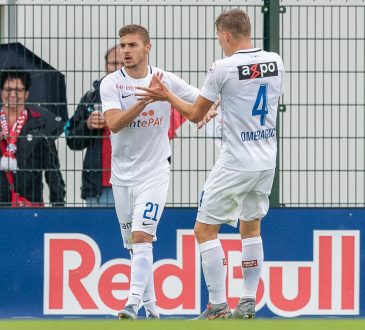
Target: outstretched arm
(212, 112)
(194, 112)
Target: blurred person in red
(176, 120)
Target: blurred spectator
(27, 146)
(176, 120)
(87, 129)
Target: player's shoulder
(279, 61)
(272, 56)
(169, 78)
(154, 70)
(218, 65)
(264, 57)
(110, 80)
(111, 77)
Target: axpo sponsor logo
(257, 70)
(75, 281)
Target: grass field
(169, 324)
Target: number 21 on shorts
(150, 213)
(260, 106)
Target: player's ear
(148, 47)
(226, 36)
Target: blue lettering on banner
(258, 135)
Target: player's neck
(138, 72)
(239, 45)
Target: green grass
(169, 324)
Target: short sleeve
(182, 89)
(109, 95)
(211, 86)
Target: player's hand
(212, 112)
(96, 120)
(155, 78)
(156, 91)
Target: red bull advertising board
(70, 262)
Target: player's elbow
(195, 118)
(113, 121)
(197, 112)
(113, 125)
(114, 129)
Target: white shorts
(229, 195)
(139, 207)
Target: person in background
(176, 120)
(87, 129)
(27, 137)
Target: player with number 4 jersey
(249, 82)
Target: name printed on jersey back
(257, 70)
(258, 135)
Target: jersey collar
(125, 74)
(247, 51)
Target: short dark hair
(111, 49)
(15, 72)
(134, 28)
(235, 21)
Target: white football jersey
(141, 149)
(249, 84)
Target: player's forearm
(118, 120)
(188, 110)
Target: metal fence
(322, 126)
(322, 159)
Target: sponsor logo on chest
(147, 118)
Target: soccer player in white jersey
(140, 153)
(249, 82)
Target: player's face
(133, 50)
(13, 93)
(114, 61)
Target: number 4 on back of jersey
(261, 100)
